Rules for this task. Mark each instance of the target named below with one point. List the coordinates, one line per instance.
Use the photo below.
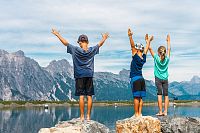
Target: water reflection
(31, 119)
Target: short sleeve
(144, 57)
(156, 57)
(168, 58)
(95, 49)
(70, 49)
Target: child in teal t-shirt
(161, 67)
(161, 61)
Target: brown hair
(162, 51)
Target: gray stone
(1, 105)
(76, 126)
(180, 125)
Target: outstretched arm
(151, 51)
(168, 45)
(56, 33)
(130, 33)
(148, 40)
(104, 37)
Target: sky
(26, 25)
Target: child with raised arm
(137, 80)
(83, 62)
(161, 61)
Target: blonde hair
(162, 51)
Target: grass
(185, 101)
(32, 102)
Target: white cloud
(26, 25)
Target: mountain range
(22, 78)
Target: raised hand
(55, 32)
(168, 39)
(146, 37)
(150, 38)
(130, 33)
(168, 45)
(105, 35)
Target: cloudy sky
(26, 25)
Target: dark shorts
(138, 88)
(84, 86)
(162, 86)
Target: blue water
(31, 119)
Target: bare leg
(136, 106)
(166, 105)
(81, 106)
(140, 107)
(89, 107)
(159, 105)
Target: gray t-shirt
(83, 61)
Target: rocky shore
(180, 124)
(144, 124)
(76, 126)
(57, 103)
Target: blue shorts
(139, 94)
(138, 86)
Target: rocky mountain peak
(195, 79)
(60, 66)
(124, 74)
(18, 53)
(3, 52)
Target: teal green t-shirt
(161, 67)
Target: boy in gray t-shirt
(83, 62)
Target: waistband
(135, 78)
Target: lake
(31, 119)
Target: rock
(3, 52)
(18, 53)
(27, 104)
(144, 124)
(76, 126)
(1, 105)
(180, 125)
(14, 105)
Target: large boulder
(144, 124)
(180, 125)
(76, 126)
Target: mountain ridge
(22, 78)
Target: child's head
(162, 52)
(82, 40)
(139, 47)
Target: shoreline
(13, 104)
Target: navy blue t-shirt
(136, 65)
(83, 61)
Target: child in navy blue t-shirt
(137, 81)
(83, 62)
